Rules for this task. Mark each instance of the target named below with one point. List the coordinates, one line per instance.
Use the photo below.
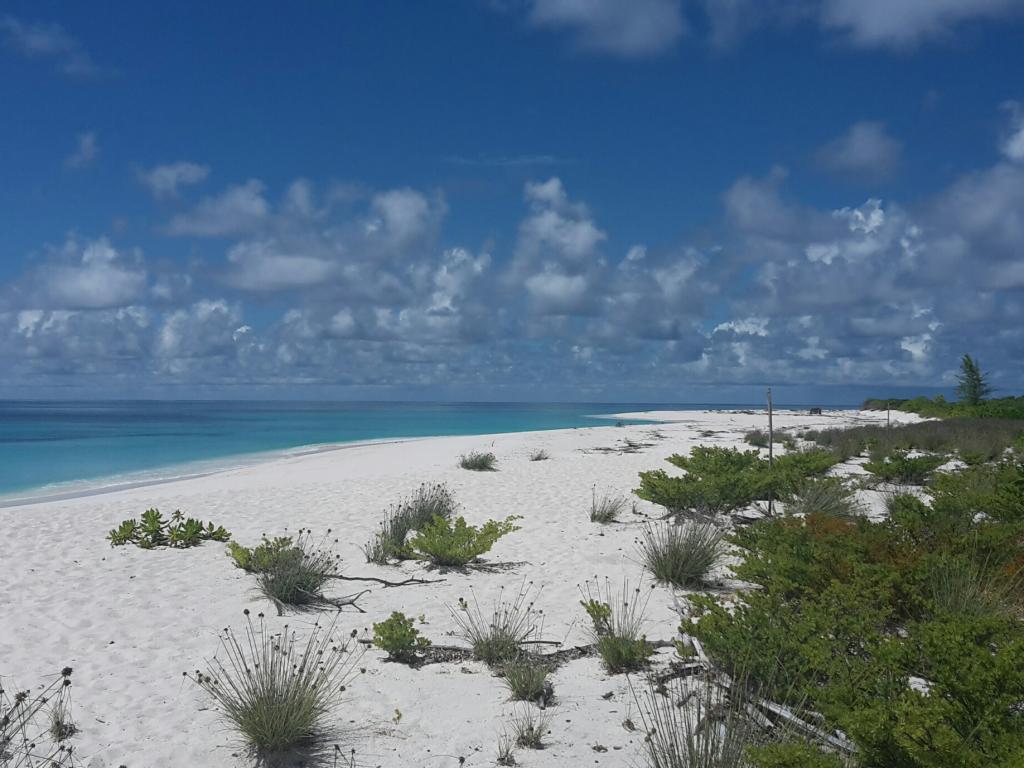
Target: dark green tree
(972, 384)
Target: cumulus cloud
(238, 209)
(619, 27)
(47, 41)
(164, 181)
(865, 150)
(80, 275)
(86, 151)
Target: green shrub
(793, 754)
(278, 692)
(757, 438)
(527, 679)
(899, 467)
(722, 480)
(456, 543)
(154, 531)
(264, 556)
(617, 626)
(607, 508)
(409, 515)
(681, 555)
(939, 407)
(498, 638)
(399, 638)
(478, 461)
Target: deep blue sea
(53, 448)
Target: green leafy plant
(398, 637)
(682, 555)
(617, 625)
(409, 515)
(291, 573)
(154, 531)
(277, 691)
(455, 542)
(479, 461)
(264, 556)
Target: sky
(632, 200)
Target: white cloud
(165, 180)
(47, 41)
(619, 27)
(261, 266)
(556, 293)
(86, 150)
(239, 209)
(1012, 144)
(864, 150)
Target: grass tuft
(529, 727)
(606, 508)
(297, 574)
(824, 495)
(277, 691)
(498, 638)
(412, 514)
(36, 725)
(617, 625)
(682, 555)
(540, 455)
(479, 461)
(527, 679)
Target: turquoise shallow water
(57, 446)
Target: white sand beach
(131, 621)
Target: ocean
(51, 449)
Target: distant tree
(972, 384)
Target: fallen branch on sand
(410, 580)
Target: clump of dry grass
(529, 727)
(479, 461)
(607, 507)
(36, 728)
(498, 637)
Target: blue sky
(540, 199)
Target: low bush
(899, 467)
(277, 692)
(682, 555)
(398, 637)
(154, 531)
(264, 555)
(939, 407)
(456, 543)
(498, 638)
(36, 725)
(617, 625)
(722, 480)
(607, 507)
(527, 679)
(412, 514)
(540, 455)
(757, 438)
(479, 461)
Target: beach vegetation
(825, 495)
(939, 407)
(295, 573)
(721, 480)
(526, 676)
(902, 468)
(263, 556)
(607, 507)
(277, 691)
(36, 724)
(904, 633)
(616, 625)
(397, 636)
(431, 500)
(506, 750)
(530, 726)
(681, 554)
(498, 637)
(539, 455)
(455, 542)
(479, 461)
(177, 532)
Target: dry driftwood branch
(410, 580)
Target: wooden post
(771, 454)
